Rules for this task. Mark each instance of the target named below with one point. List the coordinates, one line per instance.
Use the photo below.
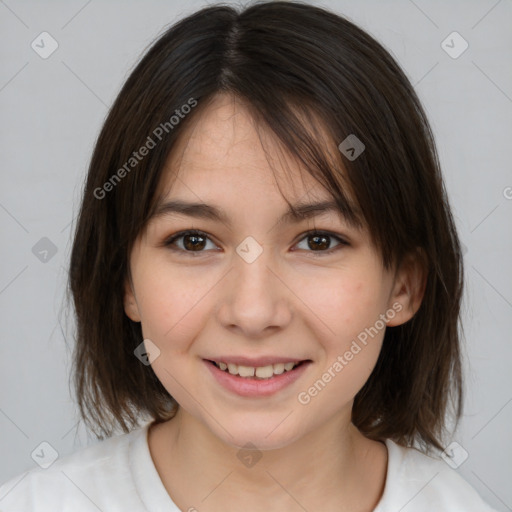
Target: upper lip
(255, 361)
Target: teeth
(246, 371)
(261, 372)
(264, 372)
(278, 368)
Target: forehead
(225, 154)
(224, 146)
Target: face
(255, 293)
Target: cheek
(172, 301)
(173, 304)
(344, 304)
(348, 310)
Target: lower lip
(253, 387)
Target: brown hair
(288, 61)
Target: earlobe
(130, 304)
(409, 288)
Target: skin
(301, 303)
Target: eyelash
(169, 242)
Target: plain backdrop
(51, 113)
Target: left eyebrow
(295, 213)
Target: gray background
(51, 113)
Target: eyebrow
(295, 213)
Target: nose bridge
(255, 298)
(252, 262)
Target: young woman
(267, 281)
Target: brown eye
(321, 242)
(192, 241)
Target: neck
(331, 468)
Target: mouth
(256, 381)
(257, 372)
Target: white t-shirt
(118, 475)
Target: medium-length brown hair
(289, 62)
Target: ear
(409, 287)
(130, 304)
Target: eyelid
(169, 241)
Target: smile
(256, 381)
(260, 372)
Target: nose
(255, 298)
